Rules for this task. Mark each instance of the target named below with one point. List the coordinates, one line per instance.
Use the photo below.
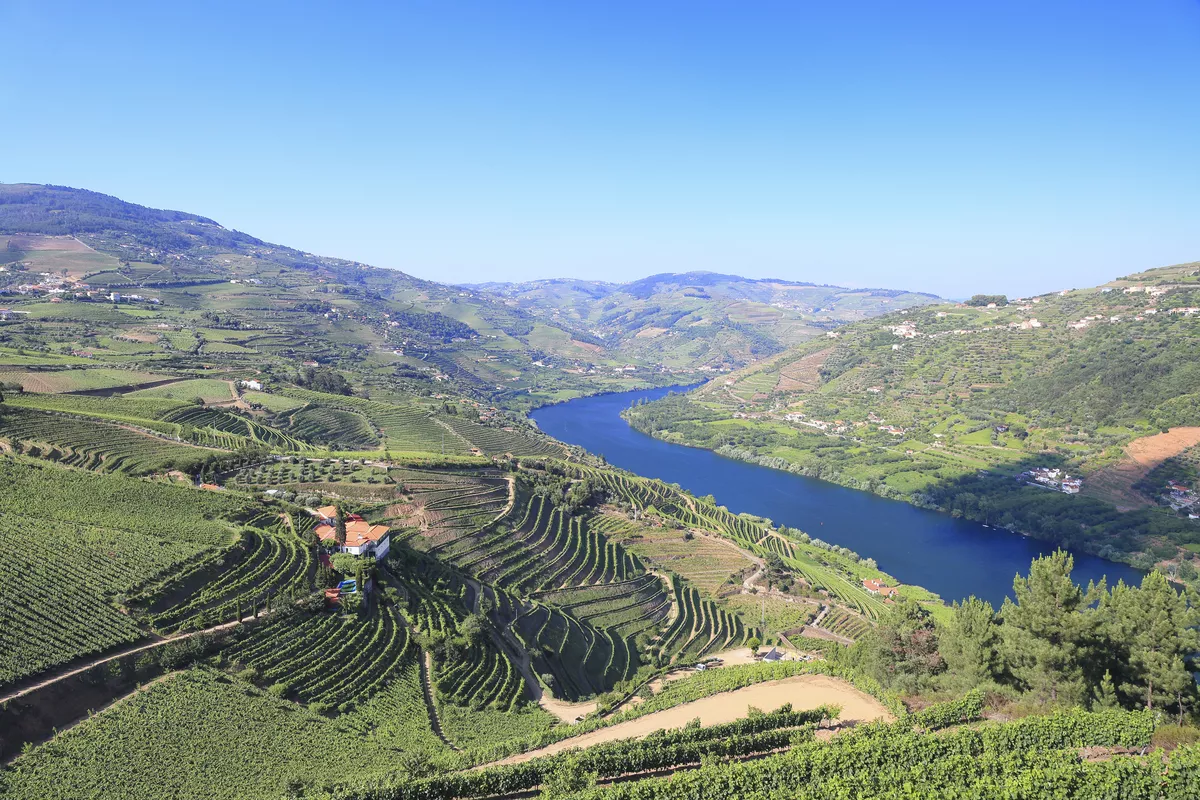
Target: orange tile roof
(212, 487)
(358, 532)
(874, 585)
(327, 512)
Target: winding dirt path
(427, 689)
(111, 657)
(802, 691)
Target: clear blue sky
(952, 147)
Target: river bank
(952, 557)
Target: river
(952, 557)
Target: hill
(701, 319)
(1063, 416)
(195, 292)
(194, 455)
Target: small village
(1181, 497)
(1052, 478)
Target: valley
(283, 525)
(976, 409)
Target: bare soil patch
(803, 375)
(591, 348)
(802, 691)
(1115, 484)
(66, 243)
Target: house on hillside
(362, 538)
(878, 587)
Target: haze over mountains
(546, 334)
(290, 512)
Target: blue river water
(952, 557)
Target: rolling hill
(700, 319)
(992, 410)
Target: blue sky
(951, 147)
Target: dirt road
(802, 691)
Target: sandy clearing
(67, 244)
(802, 691)
(1150, 451)
(1115, 484)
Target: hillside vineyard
(279, 525)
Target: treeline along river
(952, 557)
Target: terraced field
(207, 389)
(333, 428)
(93, 444)
(334, 660)
(402, 428)
(822, 569)
(535, 547)
(706, 562)
(267, 565)
(478, 674)
(229, 430)
(845, 624)
(582, 660)
(75, 380)
(701, 627)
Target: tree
(473, 627)
(754, 643)
(339, 527)
(1158, 625)
(902, 652)
(970, 644)
(1045, 636)
(1105, 695)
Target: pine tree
(339, 530)
(970, 643)
(1045, 636)
(1160, 626)
(1105, 695)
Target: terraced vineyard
(701, 627)
(444, 505)
(333, 428)
(265, 564)
(92, 444)
(535, 547)
(706, 561)
(498, 441)
(397, 711)
(236, 429)
(72, 548)
(477, 675)
(822, 569)
(582, 659)
(403, 428)
(61, 615)
(845, 624)
(628, 607)
(417, 428)
(327, 659)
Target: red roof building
(362, 538)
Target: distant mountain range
(701, 318)
(513, 344)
